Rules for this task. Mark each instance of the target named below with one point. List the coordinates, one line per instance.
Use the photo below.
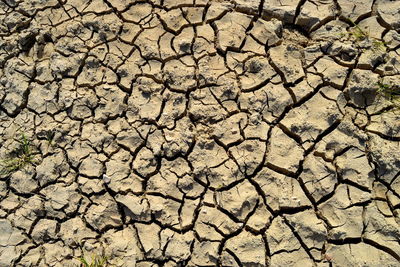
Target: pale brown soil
(199, 133)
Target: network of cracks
(199, 133)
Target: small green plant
(18, 158)
(50, 137)
(378, 45)
(389, 92)
(359, 35)
(97, 261)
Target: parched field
(200, 133)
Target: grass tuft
(390, 92)
(96, 261)
(50, 138)
(19, 157)
(359, 35)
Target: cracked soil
(199, 132)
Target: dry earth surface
(199, 133)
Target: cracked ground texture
(200, 132)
